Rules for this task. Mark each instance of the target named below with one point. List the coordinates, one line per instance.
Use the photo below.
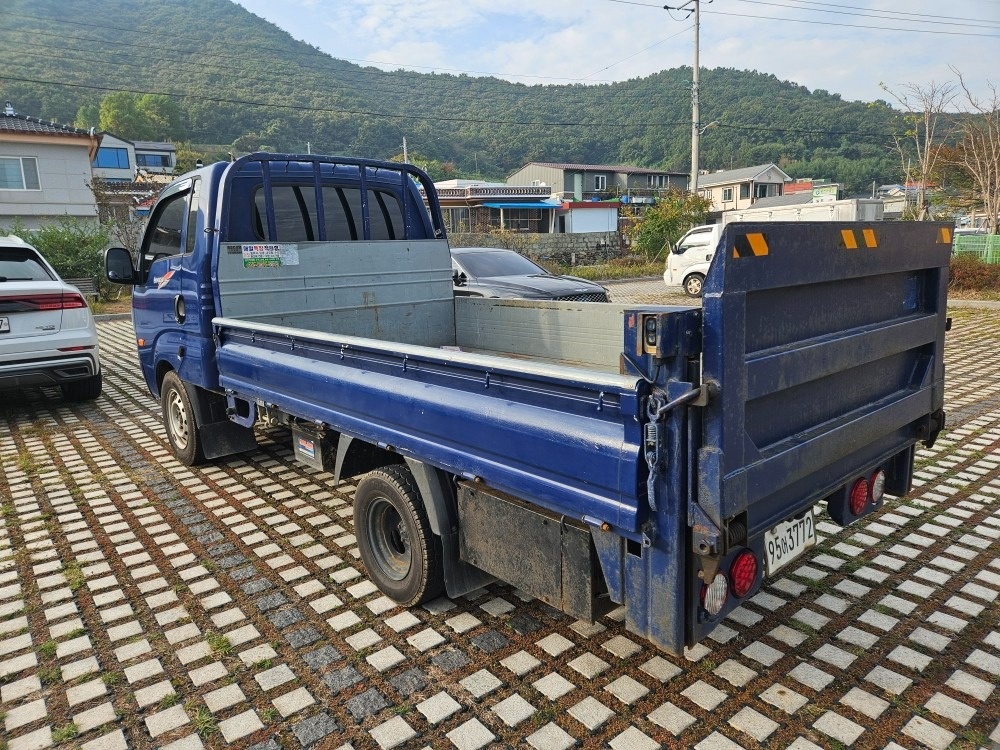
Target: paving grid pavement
(145, 604)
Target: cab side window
(163, 238)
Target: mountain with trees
(210, 72)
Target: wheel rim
(388, 539)
(694, 286)
(177, 419)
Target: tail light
(713, 595)
(877, 486)
(859, 497)
(743, 573)
(42, 302)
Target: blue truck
(667, 459)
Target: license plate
(4, 325)
(787, 541)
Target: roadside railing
(984, 246)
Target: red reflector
(743, 573)
(74, 348)
(859, 496)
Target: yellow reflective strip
(944, 236)
(870, 239)
(757, 243)
(850, 242)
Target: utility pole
(693, 7)
(695, 113)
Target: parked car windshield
(21, 264)
(497, 263)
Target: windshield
(695, 239)
(497, 263)
(21, 264)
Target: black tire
(693, 285)
(86, 389)
(400, 552)
(179, 421)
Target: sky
(845, 48)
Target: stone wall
(568, 249)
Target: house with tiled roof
(586, 182)
(44, 170)
(735, 189)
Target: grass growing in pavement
(65, 732)
(74, 575)
(49, 675)
(48, 649)
(170, 700)
(219, 644)
(204, 722)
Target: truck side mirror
(458, 278)
(118, 267)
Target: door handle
(179, 311)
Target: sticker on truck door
(269, 256)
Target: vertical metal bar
(320, 210)
(404, 176)
(366, 222)
(272, 229)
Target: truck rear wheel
(179, 421)
(693, 285)
(400, 552)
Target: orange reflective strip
(944, 236)
(850, 242)
(757, 243)
(870, 239)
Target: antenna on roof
(8, 109)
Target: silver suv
(47, 334)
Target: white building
(44, 170)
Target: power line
(890, 13)
(336, 110)
(862, 15)
(388, 115)
(656, 44)
(850, 25)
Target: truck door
(166, 309)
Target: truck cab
(689, 260)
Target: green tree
(161, 114)
(88, 116)
(665, 221)
(119, 114)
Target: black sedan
(499, 273)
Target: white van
(688, 261)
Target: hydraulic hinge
(653, 434)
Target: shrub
(969, 273)
(74, 247)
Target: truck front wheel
(179, 421)
(693, 284)
(399, 550)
